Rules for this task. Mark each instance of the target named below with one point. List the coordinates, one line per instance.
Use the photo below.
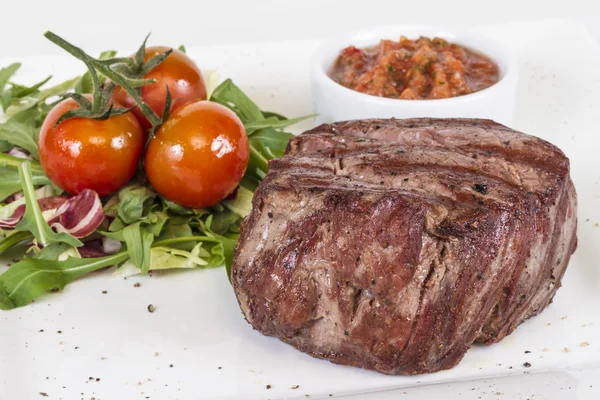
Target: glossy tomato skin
(83, 153)
(177, 71)
(199, 156)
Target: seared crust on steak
(394, 245)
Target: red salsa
(414, 69)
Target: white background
(122, 24)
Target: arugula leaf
(242, 204)
(38, 99)
(5, 146)
(33, 221)
(10, 183)
(269, 114)
(30, 278)
(6, 74)
(138, 241)
(22, 91)
(270, 143)
(13, 239)
(177, 209)
(265, 145)
(226, 243)
(155, 222)
(213, 251)
(23, 119)
(20, 134)
(133, 201)
(57, 252)
(274, 122)
(7, 95)
(232, 97)
(177, 230)
(223, 219)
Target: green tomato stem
(127, 84)
(103, 66)
(81, 55)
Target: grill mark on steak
(373, 248)
(481, 163)
(452, 134)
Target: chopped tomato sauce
(414, 69)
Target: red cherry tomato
(178, 72)
(84, 153)
(199, 156)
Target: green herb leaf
(5, 146)
(162, 258)
(177, 209)
(138, 241)
(7, 73)
(274, 122)
(182, 49)
(28, 279)
(269, 114)
(265, 145)
(19, 91)
(226, 243)
(223, 220)
(175, 230)
(232, 97)
(38, 99)
(21, 134)
(33, 221)
(133, 202)
(57, 252)
(242, 204)
(24, 116)
(13, 239)
(10, 183)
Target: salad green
(141, 231)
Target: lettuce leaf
(162, 258)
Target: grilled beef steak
(394, 245)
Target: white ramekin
(334, 102)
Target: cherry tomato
(177, 71)
(199, 156)
(84, 153)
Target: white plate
(197, 326)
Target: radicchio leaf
(79, 216)
(19, 153)
(47, 205)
